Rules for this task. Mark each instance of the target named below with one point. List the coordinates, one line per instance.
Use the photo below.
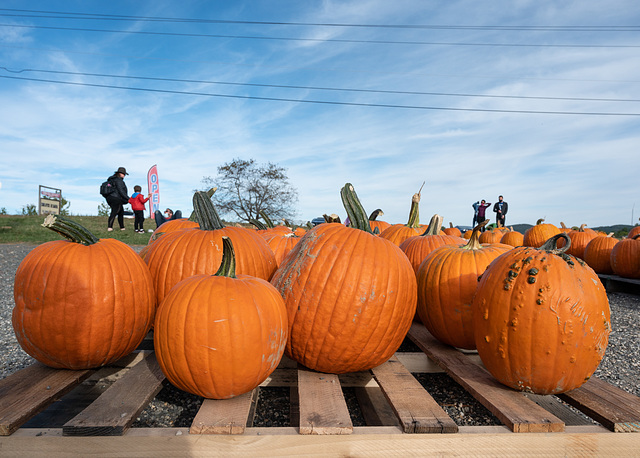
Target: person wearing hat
(118, 198)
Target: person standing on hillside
(137, 202)
(118, 198)
(500, 208)
(482, 208)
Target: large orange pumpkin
(220, 336)
(281, 244)
(350, 296)
(180, 254)
(81, 303)
(419, 246)
(537, 235)
(625, 257)
(541, 319)
(447, 280)
(597, 254)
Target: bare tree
(246, 188)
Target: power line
(320, 88)
(317, 40)
(324, 102)
(118, 17)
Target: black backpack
(107, 188)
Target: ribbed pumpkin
(180, 254)
(537, 235)
(625, 257)
(281, 244)
(597, 254)
(418, 247)
(493, 236)
(451, 230)
(635, 230)
(350, 296)
(81, 303)
(580, 237)
(398, 233)
(447, 280)
(541, 319)
(512, 238)
(220, 336)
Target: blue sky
(485, 88)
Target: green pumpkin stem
(414, 212)
(551, 245)
(435, 225)
(70, 229)
(228, 265)
(206, 214)
(210, 193)
(374, 214)
(266, 219)
(259, 224)
(355, 211)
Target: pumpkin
(350, 295)
(492, 236)
(512, 238)
(625, 257)
(180, 254)
(467, 234)
(398, 233)
(580, 237)
(447, 281)
(541, 319)
(281, 244)
(635, 230)
(597, 254)
(451, 230)
(220, 336)
(418, 247)
(537, 235)
(83, 302)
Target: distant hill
(615, 228)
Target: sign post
(49, 200)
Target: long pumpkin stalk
(206, 214)
(355, 211)
(228, 265)
(70, 229)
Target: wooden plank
(374, 406)
(30, 390)
(114, 411)
(617, 284)
(614, 408)
(511, 407)
(559, 409)
(323, 409)
(224, 416)
(417, 411)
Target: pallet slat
(614, 408)
(31, 390)
(224, 416)
(417, 411)
(516, 411)
(323, 409)
(115, 409)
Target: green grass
(28, 229)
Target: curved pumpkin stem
(210, 193)
(374, 214)
(552, 244)
(206, 214)
(540, 221)
(435, 225)
(474, 240)
(261, 226)
(355, 211)
(70, 229)
(414, 212)
(266, 219)
(228, 265)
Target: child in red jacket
(137, 202)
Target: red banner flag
(154, 190)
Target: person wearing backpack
(118, 197)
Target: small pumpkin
(537, 235)
(541, 319)
(219, 336)
(452, 230)
(512, 238)
(83, 302)
(635, 230)
(492, 236)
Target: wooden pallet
(617, 284)
(400, 413)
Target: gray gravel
(620, 367)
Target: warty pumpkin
(220, 336)
(350, 295)
(447, 281)
(541, 319)
(83, 302)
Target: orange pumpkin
(281, 244)
(451, 230)
(374, 222)
(597, 254)
(537, 235)
(398, 233)
(493, 236)
(180, 254)
(512, 238)
(220, 336)
(635, 230)
(81, 303)
(418, 247)
(447, 280)
(350, 296)
(625, 257)
(541, 319)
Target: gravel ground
(172, 407)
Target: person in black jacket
(118, 198)
(500, 207)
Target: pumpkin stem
(552, 244)
(540, 221)
(435, 225)
(355, 211)
(374, 214)
(210, 193)
(206, 214)
(474, 240)
(261, 226)
(70, 229)
(228, 265)
(266, 218)
(414, 212)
